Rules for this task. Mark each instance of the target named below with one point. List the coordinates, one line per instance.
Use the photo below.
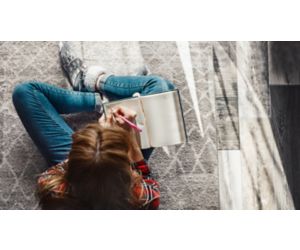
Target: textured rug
(187, 173)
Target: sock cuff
(91, 76)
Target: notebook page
(135, 105)
(164, 119)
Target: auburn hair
(98, 172)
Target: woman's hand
(127, 113)
(130, 115)
(112, 118)
(134, 153)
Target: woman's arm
(135, 153)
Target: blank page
(164, 119)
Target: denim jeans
(39, 106)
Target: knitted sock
(93, 76)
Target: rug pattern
(187, 173)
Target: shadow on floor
(285, 120)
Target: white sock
(93, 76)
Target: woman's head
(99, 172)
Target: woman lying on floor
(100, 166)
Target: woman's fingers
(126, 112)
(118, 110)
(120, 121)
(118, 113)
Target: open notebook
(159, 115)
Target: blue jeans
(39, 106)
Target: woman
(100, 166)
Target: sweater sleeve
(46, 183)
(142, 168)
(151, 192)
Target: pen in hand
(131, 124)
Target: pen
(131, 124)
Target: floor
(188, 173)
(251, 170)
(286, 127)
(242, 150)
